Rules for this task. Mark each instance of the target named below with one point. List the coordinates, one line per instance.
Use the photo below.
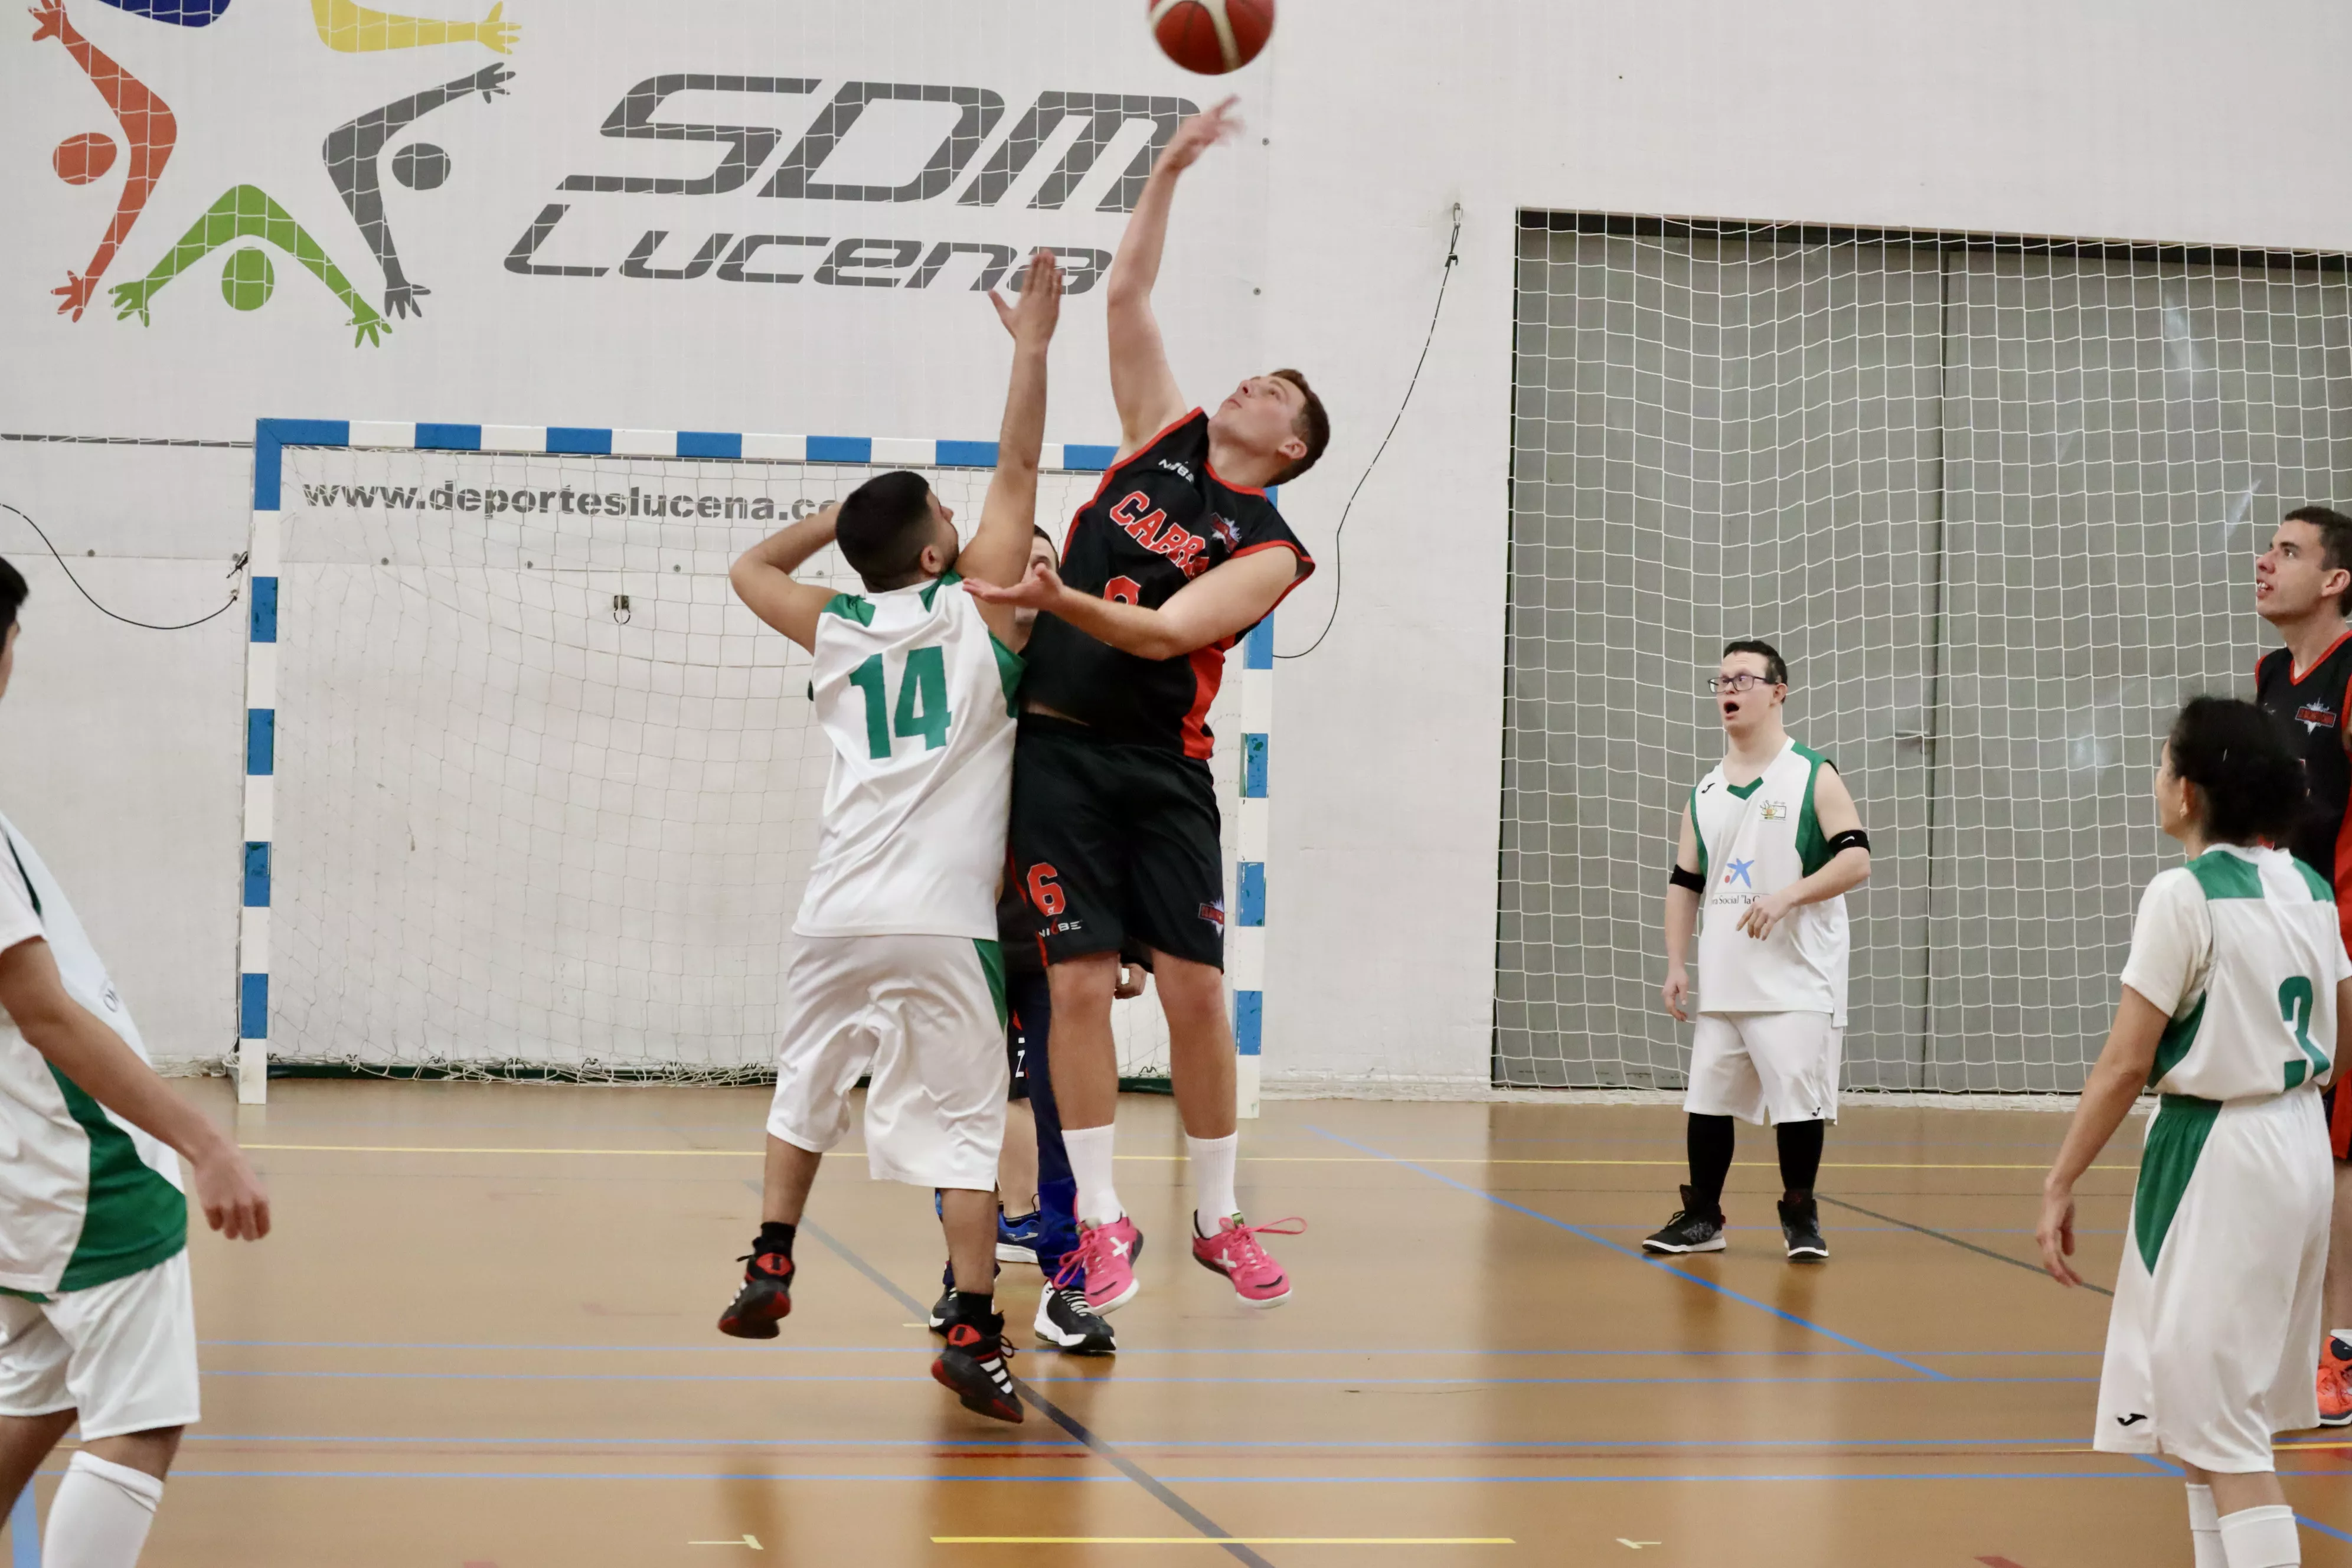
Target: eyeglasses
(1719, 684)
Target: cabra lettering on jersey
(1156, 533)
(955, 169)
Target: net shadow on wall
(1996, 497)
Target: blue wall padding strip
(450, 437)
(270, 434)
(967, 454)
(709, 444)
(1249, 1020)
(570, 438)
(1257, 645)
(256, 875)
(260, 741)
(1095, 458)
(252, 1007)
(263, 618)
(840, 449)
(1249, 879)
(1253, 767)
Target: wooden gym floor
(482, 1336)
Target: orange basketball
(80, 159)
(1212, 37)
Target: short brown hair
(2334, 531)
(1312, 427)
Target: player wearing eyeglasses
(1771, 843)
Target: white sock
(1090, 1155)
(100, 1516)
(1212, 1179)
(2205, 1528)
(2260, 1538)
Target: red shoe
(2334, 1383)
(1105, 1261)
(1235, 1253)
(766, 1296)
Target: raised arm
(71, 1040)
(1141, 384)
(763, 580)
(1000, 547)
(1224, 603)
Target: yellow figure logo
(351, 28)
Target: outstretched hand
(1037, 591)
(492, 80)
(49, 20)
(400, 298)
(497, 33)
(1197, 135)
(76, 295)
(1031, 320)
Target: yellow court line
(1160, 1159)
(1222, 1541)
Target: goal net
(546, 794)
(1998, 502)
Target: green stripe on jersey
(991, 963)
(850, 607)
(2225, 875)
(2175, 1141)
(1813, 844)
(2320, 891)
(2179, 1034)
(932, 589)
(1009, 666)
(134, 1219)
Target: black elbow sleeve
(1690, 879)
(1852, 838)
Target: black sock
(1800, 1156)
(1709, 1139)
(975, 1307)
(775, 1236)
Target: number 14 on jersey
(922, 706)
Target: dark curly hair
(13, 593)
(2245, 766)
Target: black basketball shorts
(1116, 844)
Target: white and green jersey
(1753, 839)
(84, 1198)
(916, 698)
(2241, 950)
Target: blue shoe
(1017, 1239)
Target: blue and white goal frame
(1245, 945)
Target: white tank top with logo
(1755, 839)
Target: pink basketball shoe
(1235, 1253)
(1105, 1260)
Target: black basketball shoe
(1688, 1231)
(973, 1367)
(944, 1308)
(766, 1296)
(1068, 1324)
(1800, 1224)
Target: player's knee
(1084, 982)
(150, 1452)
(1188, 989)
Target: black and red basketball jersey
(2312, 706)
(1159, 519)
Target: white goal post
(529, 795)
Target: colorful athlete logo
(245, 220)
(1738, 868)
(2315, 716)
(1214, 913)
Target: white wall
(1369, 121)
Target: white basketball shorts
(925, 1015)
(121, 1355)
(1752, 1065)
(2215, 1329)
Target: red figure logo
(147, 127)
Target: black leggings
(1710, 1143)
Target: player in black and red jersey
(1115, 830)
(2301, 587)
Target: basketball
(80, 159)
(1212, 37)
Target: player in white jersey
(96, 1322)
(897, 968)
(1770, 845)
(2234, 1000)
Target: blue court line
(1639, 1256)
(911, 1345)
(2329, 1530)
(25, 1532)
(1105, 1379)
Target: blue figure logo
(1738, 868)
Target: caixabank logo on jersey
(1059, 151)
